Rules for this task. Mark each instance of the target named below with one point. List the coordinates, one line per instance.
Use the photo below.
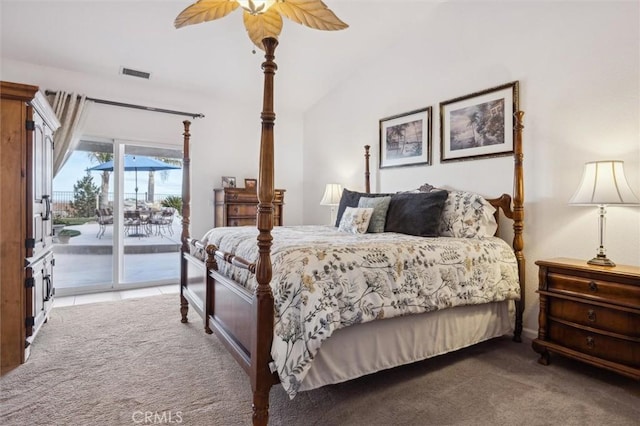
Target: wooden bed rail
(237, 261)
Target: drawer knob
(593, 286)
(591, 343)
(235, 210)
(591, 315)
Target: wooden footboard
(230, 308)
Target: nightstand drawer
(235, 210)
(247, 221)
(241, 196)
(594, 289)
(603, 318)
(622, 351)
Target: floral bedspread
(324, 280)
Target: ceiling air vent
(135, 73)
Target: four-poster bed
(243, 317)
(271, 303)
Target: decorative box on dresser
(26, 232)
(590, 313)
(239, 207)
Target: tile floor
(115, 295)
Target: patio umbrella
(135, 163)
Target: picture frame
(251, 184)
(479, 125)
(405, 139)
(228, 182)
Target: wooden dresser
(590, 313)
(26, 231)
(239, 207)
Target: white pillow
(467, 215)
(355, 220)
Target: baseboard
(529, 333)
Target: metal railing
(61, 200)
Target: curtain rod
(146, 108)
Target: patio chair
(163, 221)
(104, 217)
(133, 223)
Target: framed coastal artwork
(405, 139)
(479, 125)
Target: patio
(87, 261)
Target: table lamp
(603, 183)
(332, 194)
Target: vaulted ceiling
(98, 37)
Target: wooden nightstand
(590, 313)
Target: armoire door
(39, 292)
(39, 187)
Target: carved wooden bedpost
(518, 220)
(209, 303)
(262, 335)
(186, 213)
(367, 184)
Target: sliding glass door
(116, 214)
(151, 205)
(82, 247)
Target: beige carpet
(110, 363)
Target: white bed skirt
(373, 346)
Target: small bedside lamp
(332, 195)
(603, 183)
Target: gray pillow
(416, 214)
(380, 206)
(350, 199)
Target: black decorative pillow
(351, 199)
(416, 213)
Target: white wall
(224, 143)
(578, 67)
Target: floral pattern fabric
(355, 220)
(324, 280)
(467, 215)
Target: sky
(75, 168)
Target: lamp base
(600, 260)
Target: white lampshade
(604, 183)
(332, 194)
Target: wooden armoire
(26, 232)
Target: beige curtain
(71, 109)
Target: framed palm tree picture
(478, 125)
(405, 139)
